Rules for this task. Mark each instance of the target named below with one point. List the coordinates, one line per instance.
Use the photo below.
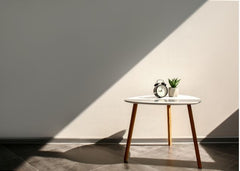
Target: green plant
(174, 82)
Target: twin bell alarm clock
(160, 89)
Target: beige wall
(203, 52)
(66, 68)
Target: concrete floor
(99, 157)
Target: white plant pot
(173, 92)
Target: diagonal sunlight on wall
(203, 52)
(58, 56)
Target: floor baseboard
(115, 141)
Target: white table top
(151, 99)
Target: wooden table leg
(194, 136)
(130, 131)
(169, 125)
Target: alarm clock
(160, 89)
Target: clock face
(162, 91)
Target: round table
(168, 101)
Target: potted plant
(173, 90)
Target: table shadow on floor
(107, 154)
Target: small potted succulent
(173, 90)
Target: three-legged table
(168, 101)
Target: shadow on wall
(57, 57)
(230, 127)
